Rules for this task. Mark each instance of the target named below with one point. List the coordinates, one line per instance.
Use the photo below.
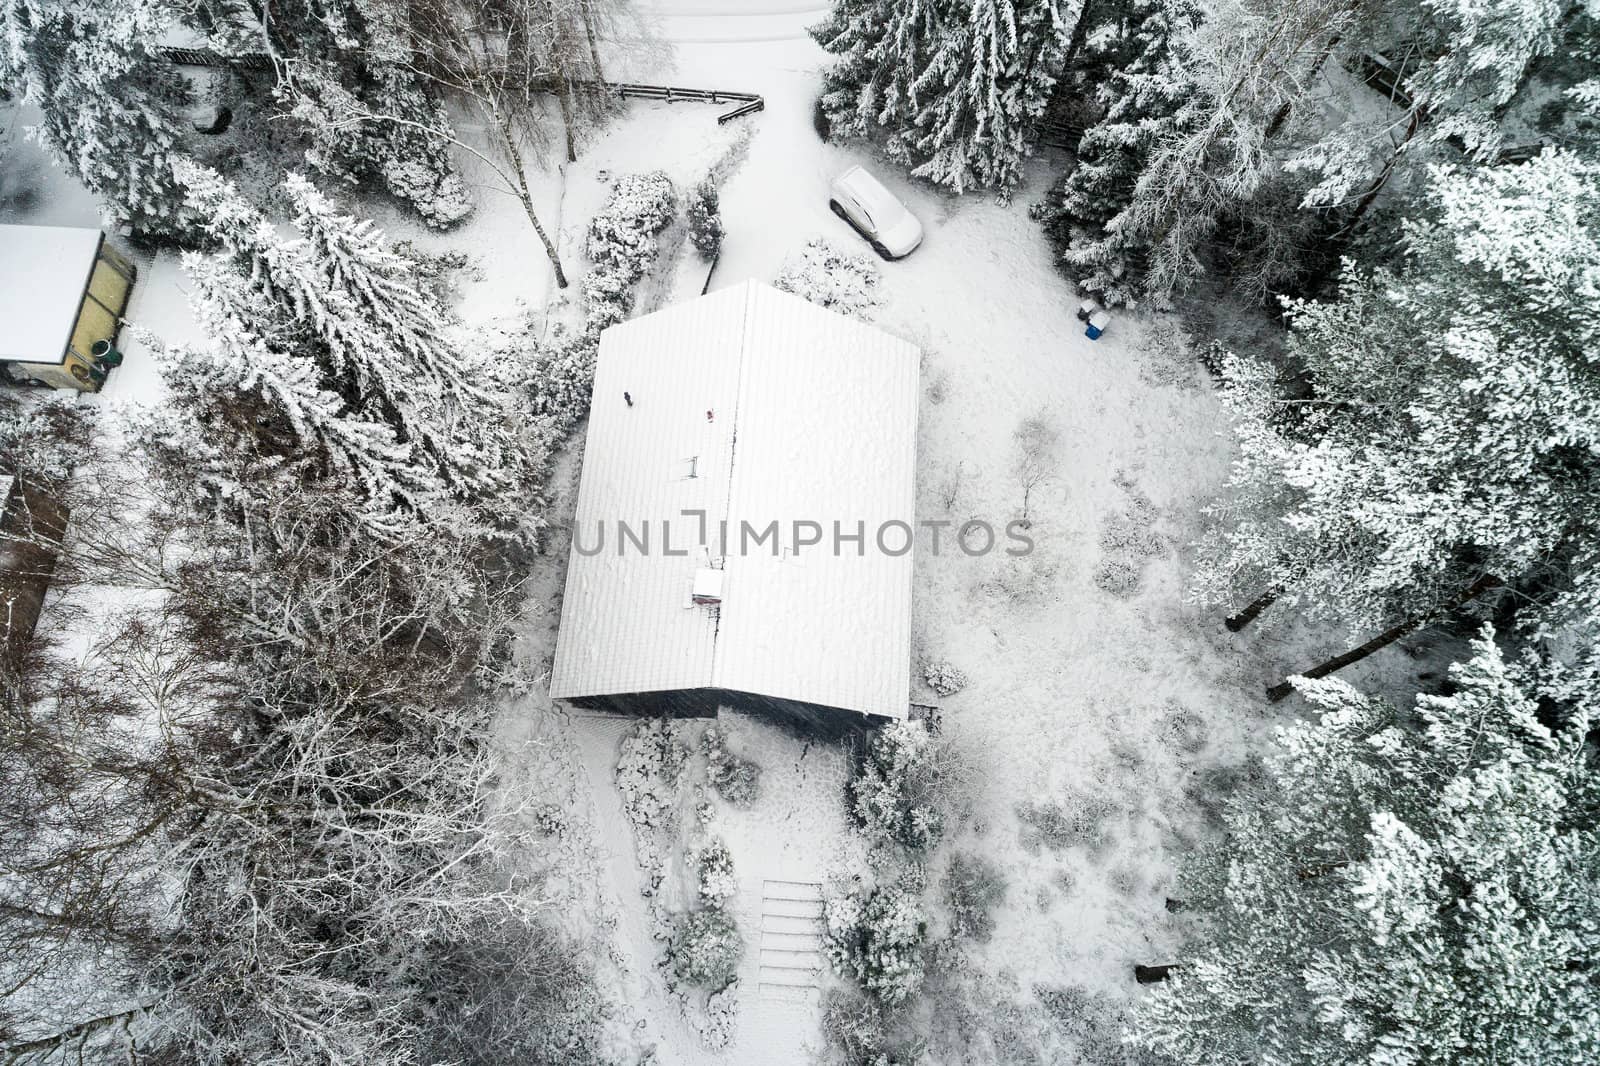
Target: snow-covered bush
(894, 797)
(622, 244)
(861, 1028)
(714, 870)
(438, 195)
(1118, 577)
(705, 220)
(736, 780)
(1077, 818)
(705, 948)
(830, 278)
(878, 941)
(647, 776)
(1125, 534)
(973, 888)
(944, 677)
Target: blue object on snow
(1097, 325)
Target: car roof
(870, 191)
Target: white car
(875, 213)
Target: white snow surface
(753, 407)
(43, 272)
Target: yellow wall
(104, 301)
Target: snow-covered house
(738, 443)
(61, 289)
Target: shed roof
(812, 417)
(43, 272)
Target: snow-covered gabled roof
(43, 272)
(812, 417)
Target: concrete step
(792, 908)
(792, 890)
(803, 961)
(793, 925)
(787, 993)
(790, 941)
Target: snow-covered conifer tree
(1453, 417)
(952, 86)
(1247, 67)
(111, 112)
(339, 318)
(985, 86)
(1399, 891)
(1143, 100)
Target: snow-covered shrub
(714, 870)
(1125, 534)
(973, 887)
(944, 677)
(622, 245)
(830, 278)
(1075, 819)
(705, 220)
(1183, 729)
(647, 777)
(1027, 579)
(736, 780)
(863, 1030)
(879, 941)
(438, 195)
(718, 1024)
(498, 992)
(894, 795)
(705, 948)
(1118, 577)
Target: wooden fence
(747, 103)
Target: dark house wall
(812, 719)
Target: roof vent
(707, 587)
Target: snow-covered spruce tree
(334, 331)
(985, 86)
(1452, 423)
(1417, 890)
(1245, 67)
(953, 86)
(1142, 101)
(880, 47)
(353, 57)
(111, 113)
(1477, 57)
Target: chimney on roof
(707, 591)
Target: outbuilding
(62, 294)
(744, 526)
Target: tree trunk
(72, 1032)
(1149, 975)
(594, 48)
(526, 196)
(565, 97)
(1384, 639)
(1287, 107)
(1251, 611)
(1370, 197)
